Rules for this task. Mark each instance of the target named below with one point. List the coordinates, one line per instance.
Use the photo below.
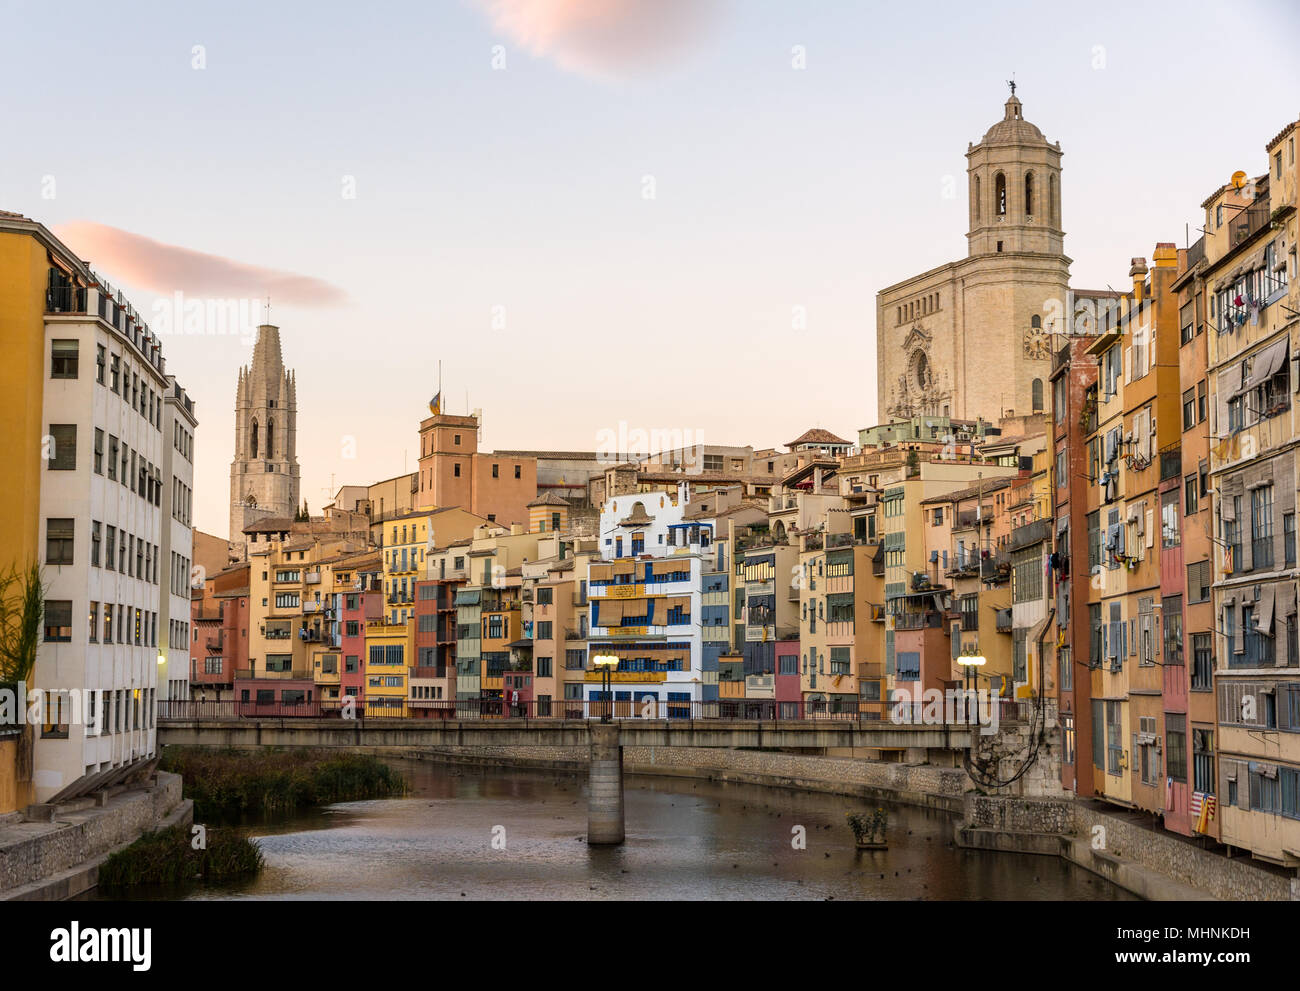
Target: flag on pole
(435, 404)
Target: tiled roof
(992, 485)
(818, 436)
(271, 524)
(549, 499)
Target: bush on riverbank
(229, 784)
(168, 857)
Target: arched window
(253, 439)
(270, 438)
(1053, 206)
(1035, 321)
(1029, 194)
(1000, 194)
(1038, 395)
(975, 196)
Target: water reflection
(685, 840)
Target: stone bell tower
(264, 476)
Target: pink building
(788, 695)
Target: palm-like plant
(22, 605)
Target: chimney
(1138, 271)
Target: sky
(666, 215)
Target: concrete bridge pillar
(605, 802)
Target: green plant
(868, 827)
(167, 856)
(22, 605)
(227, 785)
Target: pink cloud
(603, 37)
(166, 268)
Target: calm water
(685, 840)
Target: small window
(63, 359)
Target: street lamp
(970, 665)
(606, 663)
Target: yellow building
(390, 652)
(26, 252)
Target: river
(497, 833)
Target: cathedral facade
(264, 476)
(972, 338)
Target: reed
(167, 856)
(230, 785)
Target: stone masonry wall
(88, 833)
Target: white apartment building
(646, 603)
(175, 654)
(108, 467)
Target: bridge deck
(335, 732)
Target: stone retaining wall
(86, 834)
(1235, 879)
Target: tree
(302, 515)
(22, 605)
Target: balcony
(1031, 533)
(312, 578)
(967, 518)
(1248, 222)
(929, 619)
(1003, 624)
(995, 566)
(309, 608)
(217, 642)
(432, 671)
(839, 540)
(295, 674)
(65, 299)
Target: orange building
(453, 472)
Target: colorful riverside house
(787, 690)
(433, 679)
(721, 513)
(559, 623)
(646, 603)
(1191, 605)
(771, 577)
(1078, 542)
(219, 617)
(500, 635)
(1252, 283)
(389, 649)
(963, 533)
(359, 603)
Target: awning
(600, 572)
(469, 597)
(1264, 623)
(609, 612)
(1061, 524)
(1267, 363)
(624, 567)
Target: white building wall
(112, 722)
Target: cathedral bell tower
(1015, 189)
(264, 476)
